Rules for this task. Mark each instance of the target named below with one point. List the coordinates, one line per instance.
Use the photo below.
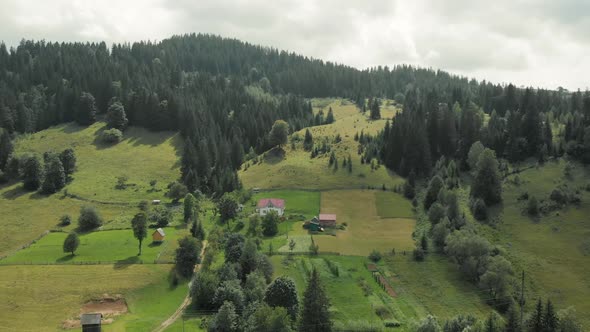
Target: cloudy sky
(544, 43)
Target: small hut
(158, 235)
(91, 322)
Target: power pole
(522, 299)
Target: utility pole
(522, 299)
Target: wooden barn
(158, 235)
(327, 220)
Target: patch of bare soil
(108, 305)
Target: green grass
(297, 202)
(41, 298)
(297, 170)
(105, 246)
(142, 156)
(346, 296)
(433, 286)
(150, 306)
(393, 205)
(549, 249)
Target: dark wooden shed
(91, 322)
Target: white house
(270, 204)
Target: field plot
(154, 157)
(42, 298)
(105, 246)
(366, 229)
(297, 170)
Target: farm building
(313, 225)
(91, 322)
(327, 220)
(266, 205)
(158, 235)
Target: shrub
(558, 195)
(479, 209)
(533, 206)
(375, 256)
(89, 218)
(65, 220)
(436, 213)
(111, 136)
(419, 254)
(391, 323)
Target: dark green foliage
(68, 160)
(249, 258)
(497, 280)
(234, 244)
(459, 323)
(270, 224)
(315, 314)
(31, 171)
(419, 254)
(86, 109)
(434, 187)
(190, 208)
(65, 220)
(111, 136)
(487, 183)
(375, 256)
(469, 251)
(436, 213)
(479, 209)
(71, 243)
(512, 320)
(230, 291)
(279, 133)
(268, 319)
(375, 113)
(176, 191)
(282, 292)
(89, 218)
(160, 215)
(227, 207)
(330, 116)
(533, 206)
(139, 226)
(203, 286)
(550, 320)
(197, 230)
(6, 147)
(265, 267)
(116, 117)
(440, 232)
(55, 177)
(226, 319)
(254, 287)
(424, 242)
(187, 255)
(535, 321)
(308, 141)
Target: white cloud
(529, 42)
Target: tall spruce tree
(315, 314)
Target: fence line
(24, 246)
(302, 253)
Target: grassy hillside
(297, 170)
(553, 250)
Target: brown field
(366, 229)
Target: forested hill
(223, 95)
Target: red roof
(274, 202)
(325, 216)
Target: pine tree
(512, 320)
(330, 116)
(308, 141)
(550, 320)
(535, 322)
(6, 147)
(315, 314)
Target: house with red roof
(266, 205)
(327, 220)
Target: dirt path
(185, 302)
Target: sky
(539, 43)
